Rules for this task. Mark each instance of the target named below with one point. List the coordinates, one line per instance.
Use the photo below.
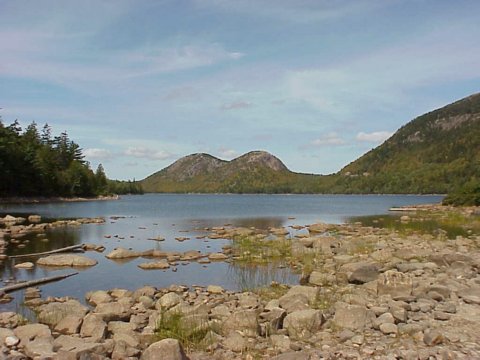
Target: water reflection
(250, 277)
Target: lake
(132, 220)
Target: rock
(93, 327)
(113, 311)
(471, 295)
(70, 347)
(321, 279)
(310, 292)
(69, 325)
(215, 289)
(294, 302)
(162, 264)
(122, 253)
(242, 320)
(395, 284)
(318, 228)
(235, 342)
(40, 347)
(168, 301)
(217, 256)
(25, 265)
(280, 342)
(98, 297)
(386, 318)
(432, 337)
(274, 318)
(52, 313)
(388, 328)
(166, 349)
(351, 317)
(34, 219)
(30, 332)
(10, 319)
(302, 324)
(66, 260)
(11, 341)
(363, 273)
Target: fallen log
(35, 282)
(65, 249)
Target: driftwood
(30, 283)
(65, 249)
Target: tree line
(34, 162)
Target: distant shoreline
(42, 200)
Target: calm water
(170, 216)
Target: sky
(139, 83)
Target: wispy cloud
(374, 137)
(227, 153)
(236, 105)
(97, 154)
(330, 139)
(148, 153)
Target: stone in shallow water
(66, 260)
(156, 265)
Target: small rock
(433, 337)
(388, 328)
(25, 265)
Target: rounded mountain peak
(260, 158)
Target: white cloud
(331, 139)
(147, 153)
(227, 153)
(97, 154)
(375, 137)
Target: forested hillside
(33, 162)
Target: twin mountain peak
(434, 153)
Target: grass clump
(192, 334)
(249, 249)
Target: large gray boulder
(351, 317)
(302, 324)
(52, 313)
(243, 320)
(166, 349)
(71, 260)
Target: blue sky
(140, 83)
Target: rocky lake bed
(376, 289)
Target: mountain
(438, 152)
(254, 172)
(435, 153)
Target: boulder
(52, 313)
(34, 219)
(155, 265)
(166, 349)
(395, 284)
(217, 256)
(215, 289)
(25, 265)
(122, 253)
(27, 333)
(113, 311)
(93, 327)
(98, 297)
(66, 260)
(168, 301)
(310, 292)
(242, 320)
(363, 274)
(351, 317)
(302, 324)
(69, 325)
(70, 347)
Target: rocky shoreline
(40, 200)
(365, 293)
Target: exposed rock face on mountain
(254, 172)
